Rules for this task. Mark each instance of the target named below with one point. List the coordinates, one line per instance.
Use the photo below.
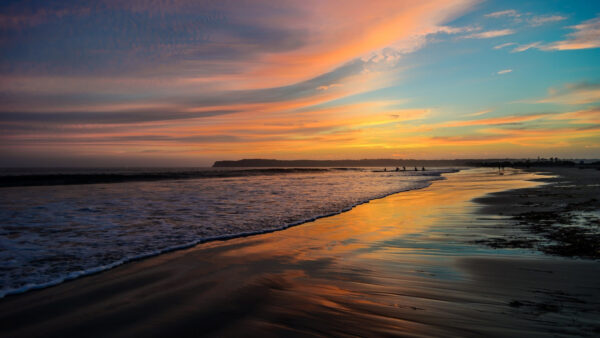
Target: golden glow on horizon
(312, 79)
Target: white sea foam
(49, 235)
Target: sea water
(53, 233)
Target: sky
(185, 83)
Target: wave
(90, 271)
(96, 178)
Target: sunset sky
(182, 82)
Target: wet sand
(404, 265)
(560, 218)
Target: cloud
(586, 35)
(479, 113)
(326, 87)
(573, 94)
(493, 121)
(213, 77)
(195, 72)
(540, 130)
(455, 30)
(490, 34)
(546, 133)
(541, 137)
(217, 44)
(540, 20)
(121, 37)
(508, 12)
(18, 19)
(587, 116)
(504, 45)
(112, 117)
(533, 20)
(135, 139)
(523, 48)
(504, 71)
(490, 121)
(92, 106)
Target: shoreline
(560, 217)
(100, 269)
(81, 178)
(404, 264)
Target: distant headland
(272, 163)
(335, 163)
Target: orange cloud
(339, 40)
(539, 137)
(589, 116)
(479, 113)
(573, 94)
(485, 122)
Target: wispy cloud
(455, 30)
(479, 113)
(588, 116)
(540, 20)
(22, 19)
(326, 87)
(540, 130)
(586, 35)
(508, 12)
(543, 138)
(573, 94)
(504, 45)
(494, 120)
(490, 34)
(531, 19)
(523, 48)
(223, 79)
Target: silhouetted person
(423, 169)
(403, 168)
(397, 169)
(416, 169)
(384, 169)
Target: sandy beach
(559, 218)
(414, 264)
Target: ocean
(54, 228)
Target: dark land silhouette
(519, 163)
(252, 167)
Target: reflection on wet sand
(401, 265)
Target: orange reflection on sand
(388, 267)
(403, 214)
